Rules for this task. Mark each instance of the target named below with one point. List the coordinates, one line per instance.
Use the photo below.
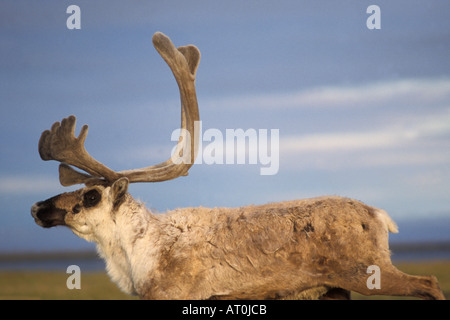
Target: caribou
(312, 248)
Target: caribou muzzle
(47, 215)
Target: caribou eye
(91, 198)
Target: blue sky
(361, 113)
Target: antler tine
(60, 144)
(183, 62)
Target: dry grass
(52, 285)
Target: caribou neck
(120, 246)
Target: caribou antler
(60, 143)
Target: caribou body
(310, 248)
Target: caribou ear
(118, 190)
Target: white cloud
(415, 142)
(29, 184)
(386, 137)
(337, 142)
(407, 90)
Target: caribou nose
(46, 215)
(35, 209)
